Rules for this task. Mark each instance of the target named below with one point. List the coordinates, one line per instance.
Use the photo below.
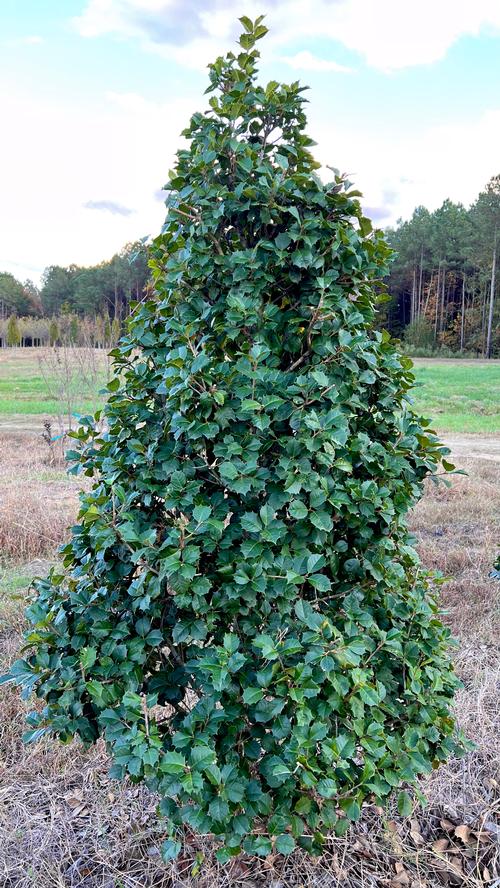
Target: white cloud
(393, 34)
(105, 16)
(62, 157)
(108, 206)
(388, 34)
(118, 153)
(28, 40)
(306, 61)
(443, 161)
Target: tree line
(69, 329)
(443, 280)
(103, 290)
(442, 287)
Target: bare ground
(467, 447)
(64, 823)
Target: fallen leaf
(440, 846)
(402, 878)
(239, 868)
(486, 874)
(463, 832)
(415, 833)
(80, 811)
(74, 798)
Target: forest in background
(444, 277)
(442, 287)
(73, 305)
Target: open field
(460, 396)
(65, 824)
(39, 381)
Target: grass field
(65, 824)
(459, 396)
(39, 382)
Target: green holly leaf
(282, 241)
(88, 656)
(320, 582)
(202, 513)
(326, 787)
(259, 846)
(405, 804)
(351, 808)
(298, 509)
(173, 763)
(170, 850)
(251, 522)
(321, 520)
(219, 810)
(284, 844)
(252, 695)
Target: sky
(404, 97)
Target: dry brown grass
(64, 823)
(458, 529)
(38, 501)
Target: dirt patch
(19, 423)
(474, 446)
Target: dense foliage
(444, 279)
(242, 615)
(16, 297)
(106, 289)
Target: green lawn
(458, 396)
(30, 388)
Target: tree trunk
(438, 288)
(483, 317)
(492, 298)
(462, 319)
(441, 301)
(420, 299)
(413, 313)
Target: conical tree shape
(242, 616)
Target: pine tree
(116, 328)
(73, 330)
(107, 332)
(13, 332)
(241, 614)
(54, 332)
